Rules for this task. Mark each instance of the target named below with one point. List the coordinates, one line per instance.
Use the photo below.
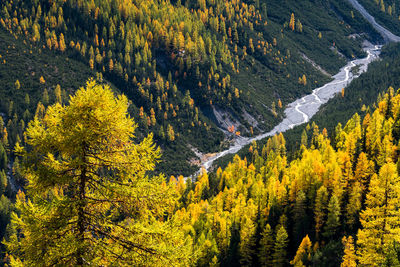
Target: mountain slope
(265, 208)
(385, 12)
(186, 63)
(387, 35)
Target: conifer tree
(354, 206)
(62, 45)
(299, 26)
(333, 218)
(17, 85)
(321, 202)
(89, 200)
(349, 257)
(3, 157)
(380, 219)
(45, 97)
(266, 247)
(292, 22)
(280, 248)
(247, 241)
(300, 217)
(364, 170)
(303, 254)
(57, 93)
(27, 100)
(3, 182)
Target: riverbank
(301, 110)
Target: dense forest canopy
(335, 198)
(100, 175)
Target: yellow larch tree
(87, 199)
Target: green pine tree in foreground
(89, 200)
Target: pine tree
(266, 247)
(392, 254)
(3, 157)
(36, 33)
(364, 170)
(247, 241)
(27, 100)
(333, 218)
(304, 80)
(3, 182)
(321, 203)
(111, 65)
(45, 97)
(304, 138)
(87, 199)
(300, 217)
(273, 109)
(280, 248)
(171, 133)
(299, 26)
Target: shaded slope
(386, 34)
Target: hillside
(108, 108)
(205, 65)
(386, 13)
(360, 96)
(323, 208)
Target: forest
(242, 57)
(107, 106)
(386, 12)
(337, 197)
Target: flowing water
(301, 110)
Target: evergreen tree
(321, 203)
(3, 157)
(247, 241)
(280, 248)
(333, 218)
(3, 182)
(266, 247)
(300, 217)
(45, 97)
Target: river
(301, 110)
